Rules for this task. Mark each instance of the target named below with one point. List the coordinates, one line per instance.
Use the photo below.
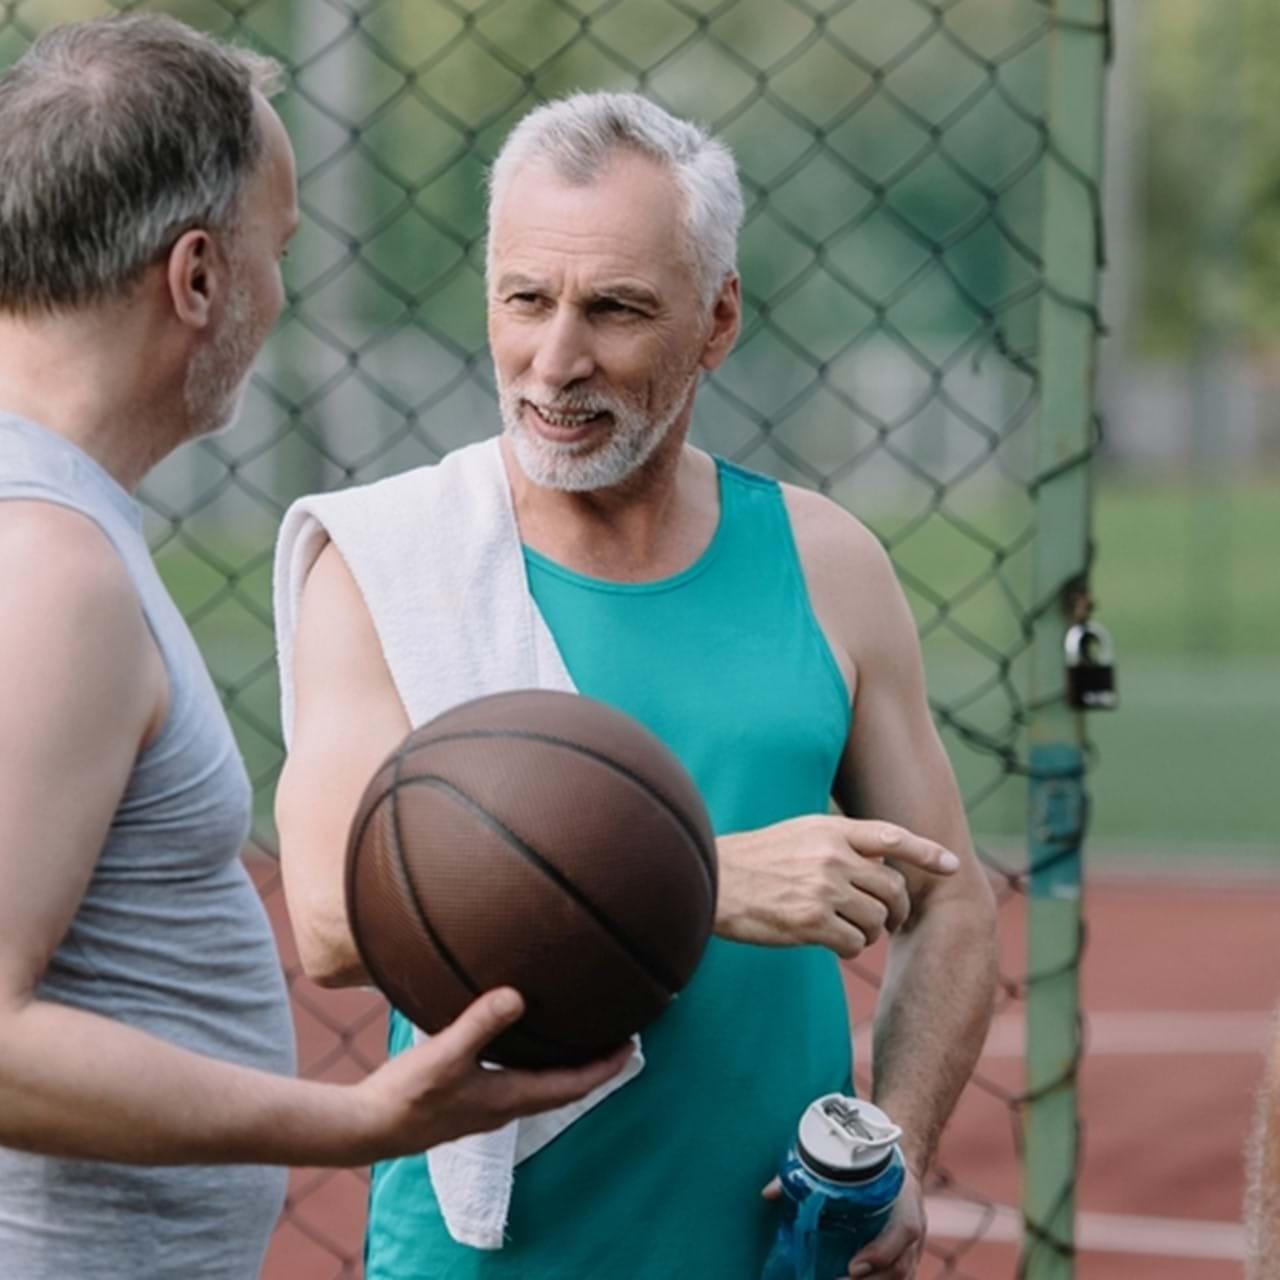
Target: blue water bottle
(839, 1181)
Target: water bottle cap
(845, 1138)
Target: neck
(88, 379)
(651, 526)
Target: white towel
(473, 1176)
(436, 555)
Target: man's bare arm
(937, 996)
(78, 697)
(348, 718)
(936, 1000)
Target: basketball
(540, 840)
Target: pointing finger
(885, 840)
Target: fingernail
(506, 1003)
(948, 861)
(862, 1269)
(889, 836)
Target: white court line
(1153, 1033)
(1097, 1232)
(1132, 1033)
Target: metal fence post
(1060, 562)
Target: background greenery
(1186, 770)
(893, 169)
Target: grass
(1190, 761)
(1190, 570)
(1187, 580)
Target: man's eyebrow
(514, 282)
(611, 291)
(635, 294)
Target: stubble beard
(634, 435)
(218, 374)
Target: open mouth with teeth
(566, 424)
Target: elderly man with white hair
(757, 628)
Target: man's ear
(726, 319)
(194, 277)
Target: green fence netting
(896, 156)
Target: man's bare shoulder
(54, 550)
(75, 648)
(831, 541)
(850, 579)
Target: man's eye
(611, 306)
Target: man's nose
(564, 355)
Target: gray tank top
(170, 937)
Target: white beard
(588, 464)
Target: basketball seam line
(672, 810)
(653, 971)
(412, 890)
(517, 1031)
(355, 841)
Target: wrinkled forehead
(629, 217)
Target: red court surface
(1178, 983)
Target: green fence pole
(1057, 805)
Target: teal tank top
(726, 663)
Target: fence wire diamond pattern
(893, 157)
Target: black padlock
(1091, 672)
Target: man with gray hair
(739, 619)
(146, 197)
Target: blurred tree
(1210, 187)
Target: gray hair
(578, 135)
(116, 136)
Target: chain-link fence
(893, 355)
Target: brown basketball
(542, 840)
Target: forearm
(78, 1085)
(932, 1017)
